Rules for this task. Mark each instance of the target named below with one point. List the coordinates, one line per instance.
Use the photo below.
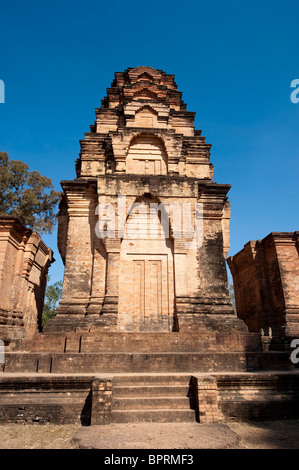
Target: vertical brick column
(206, 395)
(110, 306)
(81, 201)
(211, 254)
(98, 277)
(101, 401)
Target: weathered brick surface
(44, 399)
(101, 401)
(207, 398)
(258, 396)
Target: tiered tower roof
(143, 101)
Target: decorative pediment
(147, 155)
(146, 117)
(144, 93)
(145, 77)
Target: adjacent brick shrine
(266, 281)
(143, 147)
(24, 261)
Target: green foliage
(27, 195)
(52, 297)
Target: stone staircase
(96, 377)
(153, 398)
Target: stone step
(205, 339)
(38, 399)
(118, 363)
(136, 380)
(154, 416)
(207, 342)
(120, 342)
(150, 391)
(150, 403)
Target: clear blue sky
(233, 60)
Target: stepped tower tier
(143, 229)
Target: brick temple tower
(145, 330)
(144, 152)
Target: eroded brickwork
(206, 395)
(101, 401)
